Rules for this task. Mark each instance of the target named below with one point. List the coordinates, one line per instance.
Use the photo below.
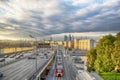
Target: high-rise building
(70, 37)
(75, 44)
(65, 37)
(69, 44)
(65, 43)
(51, 39)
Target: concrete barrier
(37, 75)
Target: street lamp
(43, 45)
(36, 51)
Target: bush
(110, 76)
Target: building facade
(83, 44)
(60, 42)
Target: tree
(91, 59)
(116, 53)
(104, 49)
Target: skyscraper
(70, 37)
(65, 37)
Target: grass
(110, 76)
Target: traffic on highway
(34, 64)
(28, 64)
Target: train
(59, 71)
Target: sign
(46, 57)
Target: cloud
(81, 2)
(47, 17)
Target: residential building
(83, 44)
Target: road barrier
(37, 75)
(10, 62)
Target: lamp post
(36, 51)
(43, 45)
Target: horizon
(76, 35)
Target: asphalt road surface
(21, 70)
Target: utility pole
(36, 50)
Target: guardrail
(4, 63)
(36, 75)
(10, 62)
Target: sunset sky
(21, 18)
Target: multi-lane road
(24, 68)
(15, 57)
(21, 70)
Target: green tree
(104, 49)
(116, 53)
(91, 59)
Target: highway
(18, 56)
(23, 69)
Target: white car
(80, 71)
(2, 59)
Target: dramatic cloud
(19, 18)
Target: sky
(40, 18)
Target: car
(21, 55)
(17, 57)
(42, 57)
(6, 56)
(12, 56)
(31, 57)
(40, 54)
(1, 75)
(2, 59)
